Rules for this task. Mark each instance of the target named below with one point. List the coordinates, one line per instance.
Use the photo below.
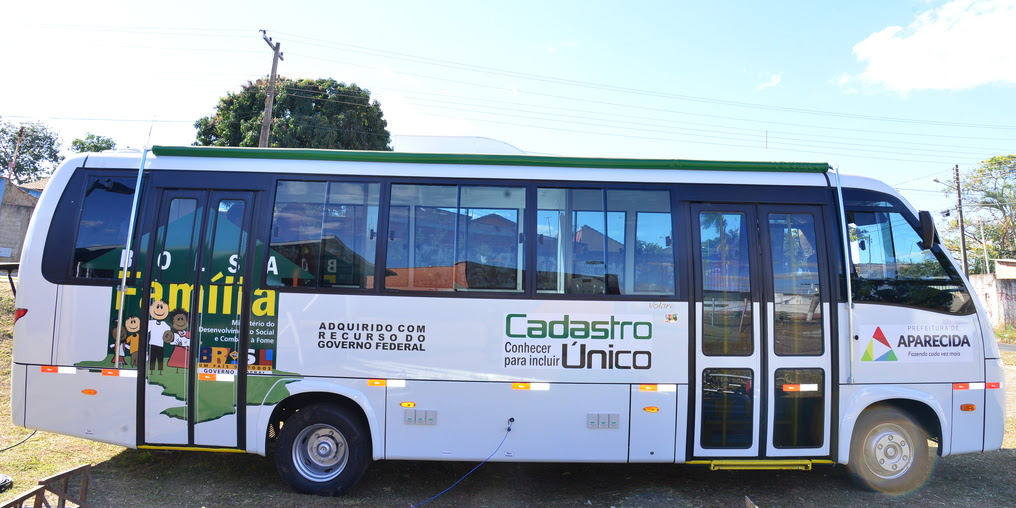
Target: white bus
(336, 307)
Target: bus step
(758, 465)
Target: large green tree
(989, 201)
(307, 113)
(93, 143)
(38, 154)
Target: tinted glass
(324, 234)
(891, 265)
(604, 241)
(455, 238)
(798, 316)
(177, 242)
(726, 284)
(228, 242)
(102, 227)
(798, 419)
(727, 408)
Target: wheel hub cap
(890, 453)
(320, 453)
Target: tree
(989, 191)
(93, 143)
(38, 154)
(321, 113)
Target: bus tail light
(19, 313)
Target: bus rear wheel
(322, 450)
(889, 452)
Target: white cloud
(774, 80)
(961, 44)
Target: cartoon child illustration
(179, 324)
(133, 326)
(158, 311)
(123, 345)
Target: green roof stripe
(484, 160)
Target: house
(16, 207)
(35, 188)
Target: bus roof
(485, 160)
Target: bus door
(194, 373)
(762, 354)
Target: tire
(322, 450)
(889, 452)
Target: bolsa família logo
(582, 343)
(878, 349)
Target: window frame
(528, 247)
(269, 216)
(57, 259)
(897, 206)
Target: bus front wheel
(889, 452)
(322, 450)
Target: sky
(899, 90)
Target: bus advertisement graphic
(919, 343)
(578, 341)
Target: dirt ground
(1010, 392)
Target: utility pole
(14, 157)
(959, 208)
(984, 246)
(266, 121)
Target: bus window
(455, 238)
(102, 227)
(798, 320)
(727, 408)
(799, 419)
(727, 328)
(327, 231)
(604, 241)
(890, 265)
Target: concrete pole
(959, 208)
(266, 120)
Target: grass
(1009, 359)
(190, 479)
(44, 454)
(1006, 334)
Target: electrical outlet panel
(603, 420)
(420, 417)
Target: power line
(757, 134)
(647, 108)
(550, 79)
(654, 138)
(757, 130)
(772, 144)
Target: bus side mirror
(927, 229)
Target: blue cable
(510, 422)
